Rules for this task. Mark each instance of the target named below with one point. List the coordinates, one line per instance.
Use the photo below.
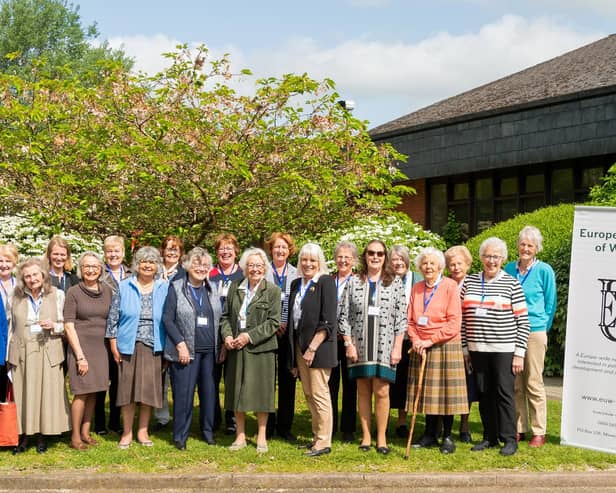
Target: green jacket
(262, 320)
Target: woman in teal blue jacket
(136, 337)
(539, 285)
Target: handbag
(9, 436)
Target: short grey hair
(533, 235)
(254, 251)
(403, 252)
(347, 244)
(90, 254)
(147, 254)
(314, 251)
(435, 252)
(495, 243)
(196, 253)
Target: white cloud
(388, 80)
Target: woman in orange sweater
(435, 318)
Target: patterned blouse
(372, 335)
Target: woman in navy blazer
(312, 336)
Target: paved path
(596, 481)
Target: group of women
(373, 325)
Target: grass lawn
(200, 458)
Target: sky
(391, 57)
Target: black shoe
(510, 448)
(288, 436)
(159, 427)
(179, 445)
(447, 447)
(465, 437)
(316, 452)
(402, 431)
(19, 449)
(41, 447)
(364, 448)
(426, 441)
(485, 444)
(209, 439)
(383, 450)
(101, 431)
(348, 437)
(230, 429)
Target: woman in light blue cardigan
(136, 337)
(539, 285)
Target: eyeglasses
(226, 249)
(255, 266)
(90, 267)
(372, 253)
(172, 249)
(344, 258)
(491, 257)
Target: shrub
(556, 225)
(31, 239)
(394, 229)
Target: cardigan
(290, 275)
(125, 310)
(443, 312)
(319, 309)
(539, 286)
(180, 318)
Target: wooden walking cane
(416, 403)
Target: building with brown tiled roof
(538, 137)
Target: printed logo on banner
(608, 308)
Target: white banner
(589, 385)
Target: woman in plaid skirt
(434, 329)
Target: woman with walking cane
(434, 330)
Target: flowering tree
(31, 240)
(393, 229)
(183, 152)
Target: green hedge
(556, 225)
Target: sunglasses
(372, 253)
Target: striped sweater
(494, 317)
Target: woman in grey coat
(192, 317)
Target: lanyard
(280, 278)
(6, 294)
(341, 284)
(372, 287)
(113, 276)
(225, 278)
(305, 290)
(197, 297)
(36, 305)
(247, 299)
(427, 302)
(520, 277)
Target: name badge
(224, 289)
(374, 311)
(423, 320)
(242, 324)
(202, 321)
(481, 312)
(36, 329)
(283, 296)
